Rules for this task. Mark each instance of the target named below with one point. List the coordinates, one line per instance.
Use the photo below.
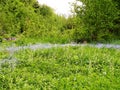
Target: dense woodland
(97, 20)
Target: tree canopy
(99, 19)
(29, 18)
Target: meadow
(63, 68)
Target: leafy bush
(30, 19)
(97, 19)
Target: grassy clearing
(58, 39)
(68, 68)
(61, 39)
(115, 42)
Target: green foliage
(69, 68)
(32, 20)
(93, 21)
(97, 19)
(117, 20)
(3, 55)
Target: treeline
(29, 19)
(97, 20)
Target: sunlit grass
(4, 54)
(68, 68)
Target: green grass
(115, 42)
(4, 54)
(68, 68)
(28, 40)
(47, 37)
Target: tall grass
(4, 54)
(68, 68)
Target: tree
(97, 18)
(117, 20)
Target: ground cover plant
(4, 54)
(66, 68)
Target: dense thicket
(29, 18)
(98, 20)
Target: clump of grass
(4, 54)
(68, 68)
